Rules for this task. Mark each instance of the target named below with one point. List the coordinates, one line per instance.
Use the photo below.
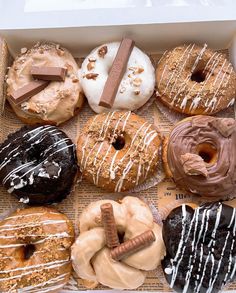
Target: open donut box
(154, 28)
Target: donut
(38, 164)
(35, 250)
(91, 258)
(195, 80)
(200, 248)
(118, 150)
(200, 155)
(59, 101)
(137, 84)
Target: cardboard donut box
(154, 26)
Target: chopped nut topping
(41, 51)
(90, 66)
(139, 70)
(92, 59)
(75, 80)
(102, 51)
(23, 50)
(122, 90)
(136, 70)
(60, 52)
(136, 92)
(91, 76)
(137, 81)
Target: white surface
(155, 25)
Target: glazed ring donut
(137, 84)
(59, 101)
(35, 251)
(201, 155)
(91, 258)
(118, 150)
(38, 164)
(195, 80)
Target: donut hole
(207, 152)
(28, 251)
(121, 236)
(119, 142)
(198, 76)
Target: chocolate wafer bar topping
(24, 93)
(108, 221)
(49, 73)
(116, 73)
(133, 245)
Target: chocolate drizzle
(38, 164)
(214, 139)
(201, 248)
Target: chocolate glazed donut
(201, 155)
(201, 248)
(38, 164)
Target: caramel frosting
(59, 100)
(194, 80)
(91, 258)
(201, 155)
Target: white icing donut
(136, 87)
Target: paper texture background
(161, 198)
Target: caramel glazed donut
(38, 164)
(35, 251)
(201, 155)
(118, 150)
(91, 258)
(137, 84)
(195, 80)
(60, 100)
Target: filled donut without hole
(200, 248)
(91, 258)
(60, 100)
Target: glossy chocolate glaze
(38, 164)
(185, 138)
(201, 248)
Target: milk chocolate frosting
(191, 135)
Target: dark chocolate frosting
(201, 248)
(216, 178)
(38, 164)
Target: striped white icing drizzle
(199, 232)
(148, 137)
(43, 132)
(211, 103)
(17, 273)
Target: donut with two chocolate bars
(100, 256)
(38, 164)
(200, 247)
